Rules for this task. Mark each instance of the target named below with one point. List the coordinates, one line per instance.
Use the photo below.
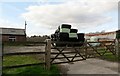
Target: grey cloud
(85, 12)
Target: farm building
(105, 35)
(13, 34)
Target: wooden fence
(24, 53)
(68, 53)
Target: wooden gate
(71, 53)
(67, 53)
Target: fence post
(1, 57)
(117, 46)
(47, 54)
(85, 48)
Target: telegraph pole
(25, 31)
(25, 27)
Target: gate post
(117, 46)
(1, 57)
(48, 54)
(85, 48)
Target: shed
(13, 34)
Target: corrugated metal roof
(13, 31)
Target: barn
(13, 34)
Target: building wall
(108, 35)
(5, 38)
(17, 38)
(20, 38)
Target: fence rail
(23, 53)
(24, 65)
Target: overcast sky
(44, 16)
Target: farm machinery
(65, 33)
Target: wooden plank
(36, 43)
(67, 61)
(110, 48)
(60, 51)
(79, 54)
(19, 66)
(117, 47)
(64, 57)
(64, 42)
(74, 57)
(64, 46)
(48, 54)
(85, 49)
(23, 53)
(94, 49)
(63, 52)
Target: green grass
(29, 70)
(17, 60)
(108, 55)
(32, 71)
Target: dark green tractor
(64, 33)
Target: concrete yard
(92, 66)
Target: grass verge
(108, 56)
(29, 70)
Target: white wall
(109, 36)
